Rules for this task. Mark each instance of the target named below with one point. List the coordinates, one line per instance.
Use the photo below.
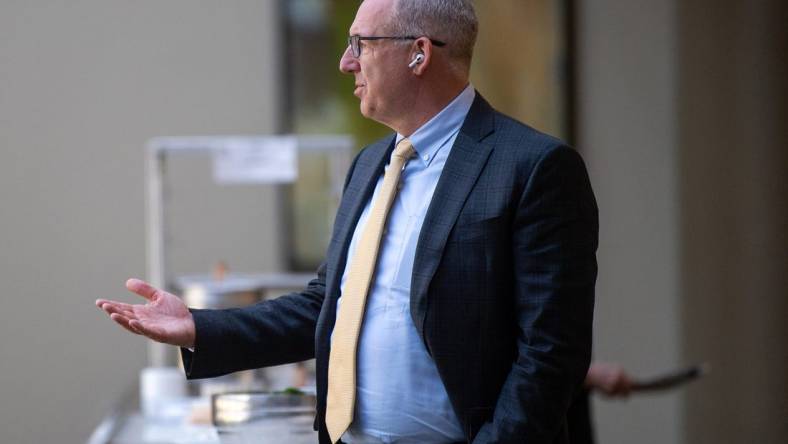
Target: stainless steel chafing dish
(261, 417)
(230, 290)
(222, 290)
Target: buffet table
(125, 424)
(190, 421)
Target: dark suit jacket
(578, 419)
(502, 291)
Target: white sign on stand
(270, 160)
(261, 159)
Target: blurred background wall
(679, 110)
(733, 176)
(627, 133)
(682, 120)
(83, 86)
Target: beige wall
(627, 133)
(682, 112)
(734, 217)
(83, 85)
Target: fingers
(101, 303)
(611, 379)
(124, 322)
(624, 386)
(618, 384)
(143, 289)
(150, 331)
(138, 327)
(130, 322)
(117, 308)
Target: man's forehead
(371, 15)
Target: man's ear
(420, 55)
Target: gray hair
(453, 22)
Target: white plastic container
(163, 392)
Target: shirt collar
(433, 135)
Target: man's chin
(366, 110)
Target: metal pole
(159, 355)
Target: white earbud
(416, 60)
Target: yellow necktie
(342, 359)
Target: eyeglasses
(354, 41)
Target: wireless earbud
(416, 60)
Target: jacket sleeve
(268, 333)
(554, 241)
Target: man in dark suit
(479, 296)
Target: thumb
(143, 289)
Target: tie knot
(404, 149)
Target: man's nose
(348, 64)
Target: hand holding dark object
(671, 379)
(609, 378)
(164, 318)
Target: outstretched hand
(164, 318)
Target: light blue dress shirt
(399, 396)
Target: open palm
(164, 318)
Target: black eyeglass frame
(354, 41)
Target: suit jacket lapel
(463, 166)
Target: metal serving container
(264, 417)
(233, 290)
